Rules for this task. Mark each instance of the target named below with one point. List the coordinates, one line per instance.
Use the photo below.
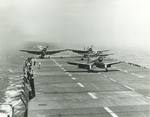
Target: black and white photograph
(74, 58)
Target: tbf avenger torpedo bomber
(43, 52)
(90, 64)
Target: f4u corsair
(89, 52)
(90, 64)
(43, 52)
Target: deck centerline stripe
(93, 95)
(129, 87)
(110, 112)
(81, 85)
(73, 78)
(113, 80)
(69, 74)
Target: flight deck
(63, 90)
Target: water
(139, 57)
(11, 80)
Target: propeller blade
(40, 47)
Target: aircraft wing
(104, 50)
(79, 51)
(32, 51)
(100, 55)
(77, 63)
(81, 65)
(105, 54)
(109, 64)
(50, 52)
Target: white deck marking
(73, 78)
(64, 70)
(93, 95)
(69, 74)
(113, 80)
(57, 64)
(98, 73)
(110, 112)
(81, 85)
(129, 87)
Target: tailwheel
(82, 59)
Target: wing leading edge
(40, 52)
(79, 51)
(32, 52)
(81, 65)
(54, 51)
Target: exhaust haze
(117, 23)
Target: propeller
(40, 47)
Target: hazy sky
(121, 23)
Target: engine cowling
(100, 59)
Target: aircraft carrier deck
(63, 90)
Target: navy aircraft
(43, 52)
(98, 62)
(97, 54)
(89, 52)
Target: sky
(110, 23)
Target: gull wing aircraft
(43, 52)
(97, 62)
(89, 52)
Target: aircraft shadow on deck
(94, 71)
